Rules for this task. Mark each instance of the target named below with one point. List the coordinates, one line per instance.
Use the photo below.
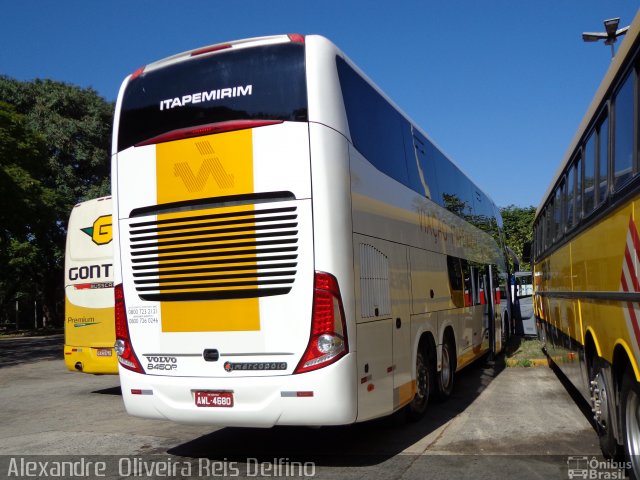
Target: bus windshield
(259, 83)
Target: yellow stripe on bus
(200, 168)
(404, 393)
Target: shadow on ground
(363, 444)
(115, 391)
(19, 350)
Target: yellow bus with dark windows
(586, 249)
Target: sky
(500, 85)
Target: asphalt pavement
(500, 422)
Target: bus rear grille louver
(213, 256)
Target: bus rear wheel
(602, 403)
(630, 397)
(424, 376)
(447, 372)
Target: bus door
(489, 290)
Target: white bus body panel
(261, 398)
(258, 401)
(82, 252)
(281, 337)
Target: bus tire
(602, 401)
(416, 409)
(447, 372)
(630, 402)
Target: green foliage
(523, 362)
(518, 228)
(54, 152)
(76, 124)
(23, 160)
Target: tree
(27, 209)
(76, 124)
(54, 152)
(518, 228)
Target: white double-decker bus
(290, 248)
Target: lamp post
(610, 35)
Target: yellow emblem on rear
(101, 231)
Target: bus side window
(570, 204)
(579, 183)
(557, 213)
(623, 132)
(603, 160)
(456, 281)
(589, 174)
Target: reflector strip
(137, 391)
(629, 281)
(297, 394)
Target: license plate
(104, 352)
(214, 399)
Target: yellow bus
(89, 328)
(586, 248)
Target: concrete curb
(534, 362)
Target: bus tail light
(126, 355)
(296, 37)
(137, 73)
(212, 48)
(328, 339)
(210, 129)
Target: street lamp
(609, 36)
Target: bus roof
(283, 38)
(243, 43)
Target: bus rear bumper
(323, 397)
(91, 360)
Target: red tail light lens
(296, 37)
(210, 129)
(137, 73)
(213, 48)
(126, 355)
(328, 339)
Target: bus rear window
(259, 83)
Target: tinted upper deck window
(377, 128)
(261, 83)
